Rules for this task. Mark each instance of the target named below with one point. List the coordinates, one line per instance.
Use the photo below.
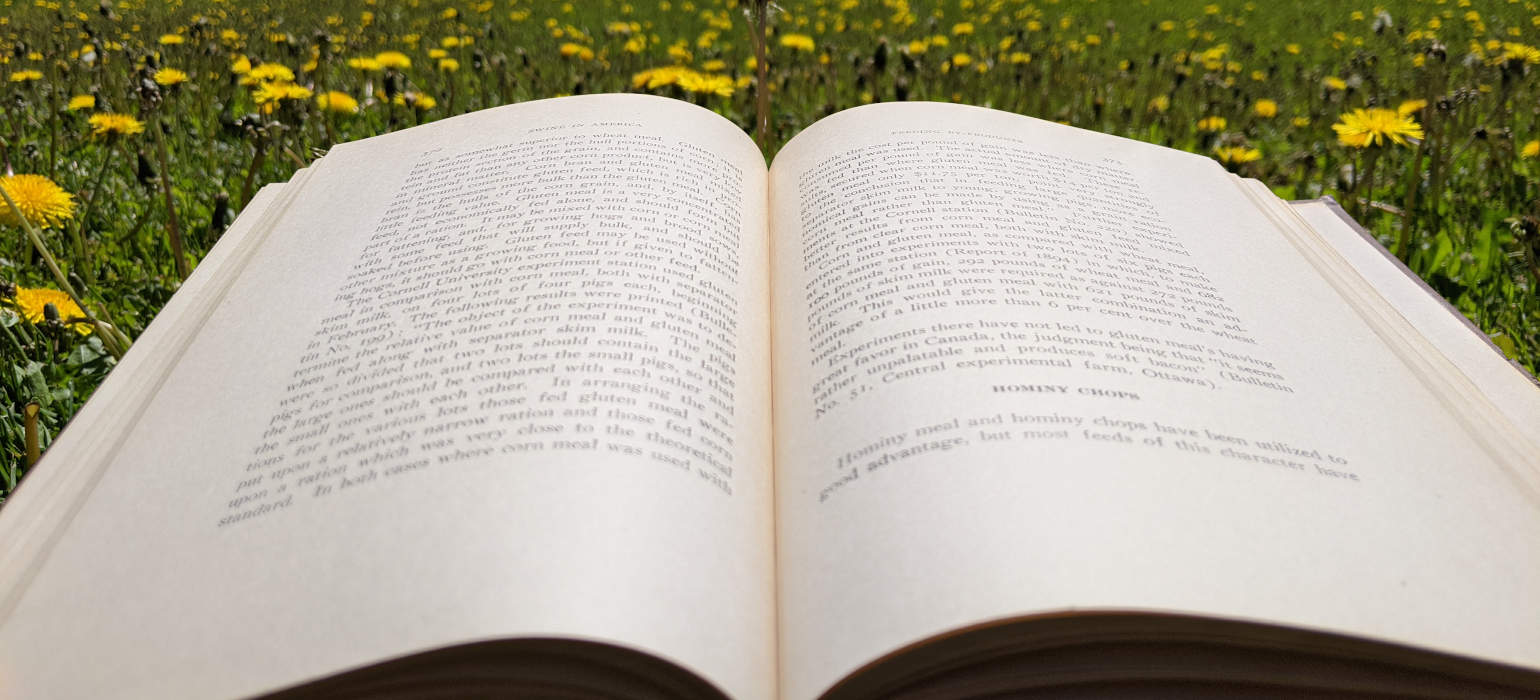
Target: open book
(577, 397)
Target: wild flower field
(132, 131)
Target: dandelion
(41, 202)
(1020, 57)
(1300, 121)
(168, 77)
(1236, 155)
(578, 51)
(113, 124)
(1531, 149)
(1265, 108)
(1292, 49)
(1159, 104)
(962, 29)
(961, 60)
(799, 42)
(269, 95)
(448, 65)
(337, 102)
(80, 102)
(240, 66)
(171, 39)
(1411, 107)
(270, 73)
(393, 60)
(1332, 82)
(26, 76)
(1520, 53)
(33, 303)
(918, 47)
(1362, 128)
(364, 63)
(1212, 124)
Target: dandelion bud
(145, 172)
(7, 289)
(392, 85)
(901, 90)
(219, 219)
(880, 55)
(50, 313)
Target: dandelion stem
(1408, 212)
(251, 171)
(173, 228)
(78, 230)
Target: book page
(505, 375)
(1022, 368)
(1505, 384)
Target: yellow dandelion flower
(1237, 154)
(270, 73)
(1411, 107)
(112, 124)
(25, 76)
(448, 65)
(1265, 108)
(393, 60)
(40, 200)
(1531, 149)
(715, 65)
(962, 29)
(240, 66)
(449, 42)
(268, 95)
(1212, 124)
(1159, 104)
(1521, 53)
(961, 60)
(80, 102)
(167, 77)
(364, 63)
(436, 54)
(1020, 57)
(30, 303)
(1362, 128)
(424, 103)
(917, 46)
(1292, 49)
(337, 102)
(799, 42)
(1300, 121)
(171, 39)
(1332, 82)
(1167, 25)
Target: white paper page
(190, 572)
(1023, 368)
